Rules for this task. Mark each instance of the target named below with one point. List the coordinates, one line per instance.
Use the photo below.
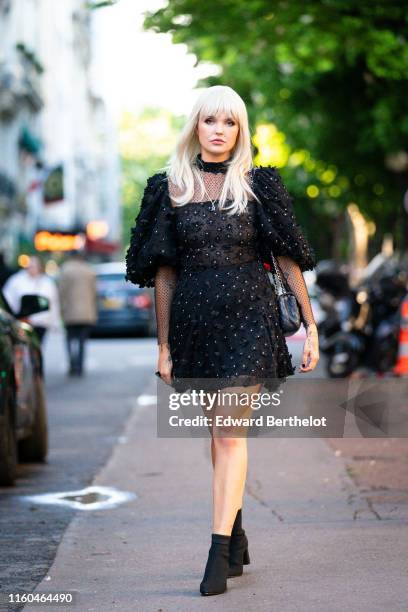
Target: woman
(205, 228)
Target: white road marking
(146, 400)
(81, 499)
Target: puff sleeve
(280, 234)
(277, 226)
(153, 238)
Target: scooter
(368, 331)
(335, 299)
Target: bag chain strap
(281, 288)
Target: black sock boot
(237, 526)
(238, 556)
(214, 581)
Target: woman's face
(217, 135)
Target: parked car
(23, 411)
(123, 308)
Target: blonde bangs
(181, 169)
(221, 102)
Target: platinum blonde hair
(182, 171)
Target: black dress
(215, 304)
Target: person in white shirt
(34, 280)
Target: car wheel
(35, 446)
(8, 443)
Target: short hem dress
(223, 320)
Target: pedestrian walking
(205, 228)
(77, 291)
(34, 280)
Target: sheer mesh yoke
(213, 184)
(209, 236)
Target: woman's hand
(310, 349)
(165, 363)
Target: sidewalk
(315, 543)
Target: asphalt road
(316, 545)
(86, 418)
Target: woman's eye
(210, 120)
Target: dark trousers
(76, 335)
(40, 331)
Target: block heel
(238, 554)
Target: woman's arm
(164, 288)
(296, 282)
(165, 285)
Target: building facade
(58, 153)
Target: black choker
(208, 166)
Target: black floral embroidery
(153, 238)
(277, 223)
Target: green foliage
(330, 74)
(101, 4)
(145, 141)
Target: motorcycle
(335, 300)
(364, 333)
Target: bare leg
(230, 460)
(210, 414)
